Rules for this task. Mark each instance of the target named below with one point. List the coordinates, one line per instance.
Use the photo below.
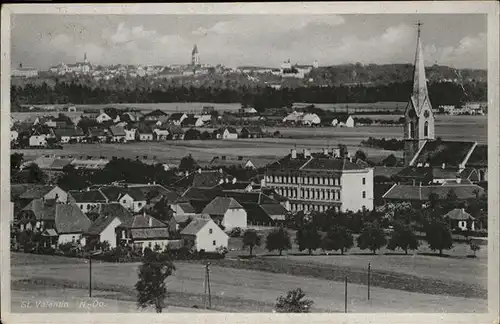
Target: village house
(118, 134)
(161, 132)
(38, 139)
(82, 163)
(202, 234)
(419, 194)
(58, 222)
(130, 133)
(226, 212)
(66, 135)
(132, 199)
(175, 132)
(309, 119)
(177, 118)
(343, 121)
(88, 199)
(192, 121)
(144, 133)
(294, 117)
(45, 192)
(143, 231)
(14, 135)
(251, 132)
(227, 133)
(459, 218)
(97, 134)
(106, 218)
(103, 117)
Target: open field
(237, 289)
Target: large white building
(24, 72)
(322, 181)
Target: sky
(44, 40)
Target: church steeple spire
(420, 93)
(419, 119)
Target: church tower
(195, 56)
(419, 119)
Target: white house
(227, 212)
(88, 199)
(45, 192)
(177, 118)
(161, 133)
(227, 133)
(133, 199)
(294, 117)
(343, 121)
(110, 216)
(14, 135)
(310, 119)
(203, 234)
(130, 134)
(103, 117)
(143, 231)
(459, 218)
(38, 140)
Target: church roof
(451, 153)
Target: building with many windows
(321, 181)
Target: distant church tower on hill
(195, 56)
(419, 119)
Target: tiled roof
(144, 128)
(70, 219)
(479, 157)
(16, 190)
(253, 130)
(174, 129)
(438, 152)
(87, 196)
(195, 193)
(106, 213)
(195, 226)
(36, 192)
(142, 221)
(176, 116)
(458, 214)
(320, 163)
(135, 193)
(342, 118)
(155, 190)
(275, 211)
(428, 172)
(59, 164)
(187, 207)
(234, 186)
(156, 112)
(386, 171)
(43, 210)
(421, 193)
(97, 131)
(117, 131)
(150, 233)
(111, 192)
(189, 121)
(60, 132)
(208, 179)
(220, 205)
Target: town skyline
(328, 39)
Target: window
(213, 243)
(88, 207)
(210, 231)
(364, 180)
(426, 129)
(139, 204)
(364, 194)
(124, 201)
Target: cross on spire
(418, 24)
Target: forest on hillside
(444, 93)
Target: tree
(294, 302)
(403, 237)
(16, 160)
(372, 237)
(192, 134)
(390, 161)
(360, 155)
(34, 174)
(187, 163)
(438, 236)
(251, 239)
(338, 238)
(278, 239)
(151, 287)
(308, 238)
(474, 247)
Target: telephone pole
(207, 287)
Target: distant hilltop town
(313, 73)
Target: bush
(235, 232)
(294, 302)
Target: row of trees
(372, 237)
(258, 96)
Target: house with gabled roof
(459, 218)
(251, 132)
(132, 199)
(343, 120)
(227, 212)
(155, 115)
(46, 192)
(421, 193)
(177, 118)
(60, 223)
(88, 199)
(65, 135)
(227, 133)
(203, 234)
(118, 134)
(106, 217)
(144, 133)
(143, 231)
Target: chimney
(293, 153)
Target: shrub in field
(308, 238)
(235, 232)
(278, 239)
(151, 287)
(372, 237)
(251, 239)
(438, 236)
(474, 247)
(293, 302)
(338, 238)
(403, 237)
